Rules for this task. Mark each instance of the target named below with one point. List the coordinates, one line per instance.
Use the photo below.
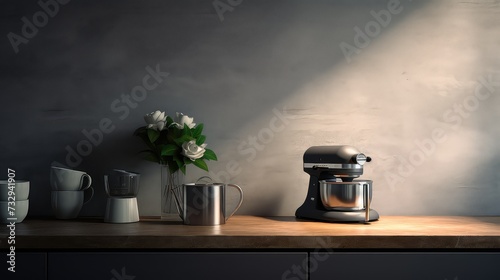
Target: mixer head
(331, 162)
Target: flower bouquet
(173, 144)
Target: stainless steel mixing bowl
(346, 196)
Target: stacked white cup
(68, 191)
(14, 202)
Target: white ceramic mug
(67, 204)
(63, 179)
(17, 191)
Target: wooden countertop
(251, 232)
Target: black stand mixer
(333, 194)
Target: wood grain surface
(252, 232)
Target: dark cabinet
(32, 266)
(159, 266)
(408, 266)
(254, 265)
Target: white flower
(182, 119)
(193, 151)
(156, 120)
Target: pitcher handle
(204, 177)
(239, 203)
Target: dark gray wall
(274, 71)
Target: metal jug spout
(178, 204)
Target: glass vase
(170, 183)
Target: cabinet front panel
(32, 266)
(439, 266)
(159, 266)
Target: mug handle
(89, 181)
(239, 203)
(91, 195)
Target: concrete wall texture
(413, 84)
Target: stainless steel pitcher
(205, 204)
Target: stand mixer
(333, 194)
(122, 188)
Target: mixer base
(336, 216)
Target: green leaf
(178, 161)
(169, 121)
(197, 130)
(183, 169)
(153, 134)
(163, 137)
(172, 166)
(169, 150)
(184, 138)
(200, 140)
(201, 164)
(145, 139)
(140, 130)
(209, 155)
(187, 131)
